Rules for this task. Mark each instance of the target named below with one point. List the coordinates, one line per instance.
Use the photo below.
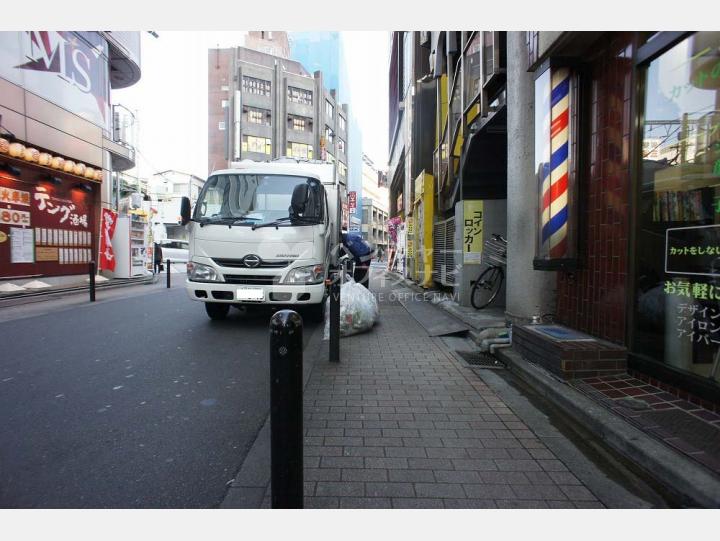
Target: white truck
(264, 233)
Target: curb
(677, 473)
(252, 480)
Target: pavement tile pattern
(400, 423)
(682, 424)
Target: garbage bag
(358, 310)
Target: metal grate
(444, 252)
(480, 359)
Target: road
(133, 402)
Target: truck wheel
(316, 312)
(217, 310)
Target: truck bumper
(272, 294)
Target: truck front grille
(252, 279)
(238, 263)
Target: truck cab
(264, 233)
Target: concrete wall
(529, 292)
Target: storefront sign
(66, 211)
(107, 230)
(69, 69)
(14, 217)
(14, 197)
(352, 202)
(472, 231)
(698, 324)
(409, 231)
(693, 250)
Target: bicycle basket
(495, 252)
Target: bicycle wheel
(487, 287)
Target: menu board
(22, 249)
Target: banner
(107, 230)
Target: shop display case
(130, 244)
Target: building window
(299, 123)
(300, 150)
(342, 170)
(341, 145)
(261, 145)
(677, 299)
(329, 136)
(299, 95)
(329, 157)
(221, 125)
(342, 123)
(252, 85)
(253, 115)
(224, 104)
(329, 110)
(555, 148)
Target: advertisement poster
(107, 230)
(472, 231)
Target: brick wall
(592, 299)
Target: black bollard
(286, 410)
(168, 272)
(335, 319)
(91, 272)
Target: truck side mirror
(184, 210)
(299, 199)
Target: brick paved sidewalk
(401, 423)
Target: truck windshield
(252, 199)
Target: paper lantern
(89, 173)
(31, 154)
(69, 166)
(44, 158)
(4, 145)
(99, 174)
(16, 150)
(57, 162)
(79, 169)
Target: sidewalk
(401, 423)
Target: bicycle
(486, 288)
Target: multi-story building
(61, 140)
(263, 107)
(374, 206)
(448, 152)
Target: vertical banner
(107, 230)
(472, 231)
(352, 202)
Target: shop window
(556, 122)
(677, 256)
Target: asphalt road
(133, 402)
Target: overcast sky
(171, 96)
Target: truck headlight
(202, 273)
(312, 274)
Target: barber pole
(555, 185)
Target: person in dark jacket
(362, 253)
(157, 258)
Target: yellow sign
(409, 237)
(472, 231)
(3, 237)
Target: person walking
(157, 258)
(362, 253)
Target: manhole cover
(480, 359)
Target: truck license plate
(250, 294)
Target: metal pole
(335, 318)
(91, 271)
(286, 410)
(168, 272)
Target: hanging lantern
(31, 154)
(69, 166)
(4, 145)
(16, 150)
(57, 162)
(79, 169)
(44, 159)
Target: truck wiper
(276, 223)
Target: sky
(170, 100)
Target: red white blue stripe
(555, 184)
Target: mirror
(299, 199)
(184, 210)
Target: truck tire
(217, 311)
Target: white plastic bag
(358, 310)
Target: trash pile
(358, 310)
